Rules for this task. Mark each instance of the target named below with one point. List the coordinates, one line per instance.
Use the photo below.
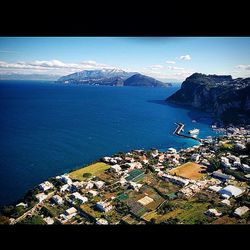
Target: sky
(164, 58)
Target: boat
(194, 131)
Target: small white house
(102, 222)
(64, 188)
(41, 196)
(213, 212)
(240, 146)
(57, 199)
(49, 220)
(241, 211)
(230, 191)
(70, 211)
(104, 206)
(65, 179)
(99, 184)
(93, 192)
(79, 197)
(45, 186)
(115, 168)
(195, 157)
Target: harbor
(180, 128)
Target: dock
(178, 130)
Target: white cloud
(170, 62)
(48, 67)
(243, 67)
(185, 58)
(175, 68)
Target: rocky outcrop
(226, 98)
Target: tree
(87, 175)
(4, 220)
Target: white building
(88, 185)
(230, 191)
(175, 179)
(57, 199)
(41, 196)
(79, 197)
(225, 162)
(215, 188)
(172, 151)
(195, 157)
(45, 186)
(49, 220)
(99, 184)
(93, 192)
(115, 168)
(104, 206)
(240, 146)
(64, 188)
(241, 211)
(66, 179)
(213, 212)
(71, 211)
(245, 168)
(102, 222)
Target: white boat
(194, 131)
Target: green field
(94, 169)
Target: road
(33, 209)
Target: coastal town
(204, 184)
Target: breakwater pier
(179, 129)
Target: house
(195, 157)
(225, 162)
(230, 191)
(240, 146)
(64, 188)
(224, 177)
(57, 199)
(41, 196)
(49, 220)
(102, 222)
(65, 179)
(45, 186)
(99, 184)
(88, 185)
(134, 165)
(175, 179)
(70, 211)
(93, 193)
(245, 168)
(213, 212)
(226, 202)
(79, 197)
(115, 168)
(215, 188)
(241, 211)
(155, 153)
(104, 206)
(172, 151)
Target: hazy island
(111, 77)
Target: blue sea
(47, 129)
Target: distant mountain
(142, 80)
(223, 96)
(113, 77)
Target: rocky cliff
(223, 96)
